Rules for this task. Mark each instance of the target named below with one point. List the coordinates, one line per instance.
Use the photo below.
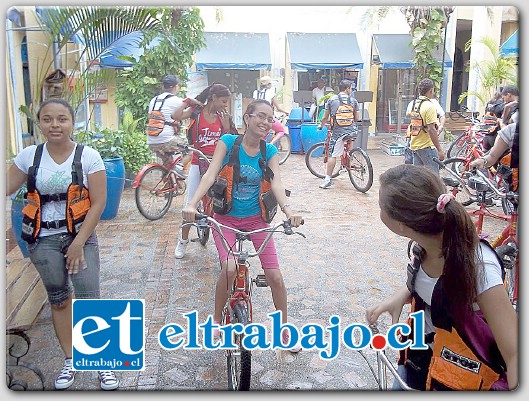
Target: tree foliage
(173, 54)
(427, 28)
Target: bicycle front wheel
(360, 169)
(284, 147)
(459, 143)
(239, 361)
(154, 193)
(315, 161)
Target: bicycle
(383, 364)
(354, 160)
(506, 243)
(239, 308)
(281, 140)
(467, 136)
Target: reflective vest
(465, 355)
(76, 197)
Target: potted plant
(134, 148)
(108, 143)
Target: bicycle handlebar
(201, 218)
(190, 148)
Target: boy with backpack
(343, 112)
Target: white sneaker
(327, 183)
(179, 170)
(108, 380)
(180, 249)
(66, 378)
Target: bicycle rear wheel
(458, 144)
(284, 147)
(360, 169)
(314, 160)
(154, 193)
(239, 361)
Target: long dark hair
(409, 195)
(215, 88)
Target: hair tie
(442, 201)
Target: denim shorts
(424, 157)
(47, 254)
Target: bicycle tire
(457, 145)
(314, 161)
(360, 169)
(239, 362)
(153, 200)
(284, 148)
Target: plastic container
(295, 137)
(115, 170)
(310, 135)
(298, 115)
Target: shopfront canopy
(234, 50)
(125, 51)
(395, 51)
(323, 50)
(510, 46)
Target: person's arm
(279, 192)
(497, 150)
(275, 103)
(15, 179)
(393, 305)
(324, 119)
(97, 184)
(185, 109)
(207, 180)
(503, 322)
(432, 131)
(442, 120)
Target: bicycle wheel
(154, 193)
(283, 145)
(457, 145)
(509, 255)
(314, 160)
(360, 169)
(239, 361)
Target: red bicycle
(506, 243)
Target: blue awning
(125, 51)
(14, 16)
(395, 51)
(510, 46)
(234, 51)
(323, 50)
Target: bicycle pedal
(260, 281)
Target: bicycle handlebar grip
(200, 216)
(439, 162)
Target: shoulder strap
(32, 171)
(267, 172)
(77, 167)
(416, 254)
(163, 101)
(234, 160)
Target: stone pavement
(348, 261)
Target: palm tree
(96, 28)
(492, 72)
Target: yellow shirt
(428, 113)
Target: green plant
(492, 72)
(106, 141)
(172, 55)
(134, 148)
(449, 137)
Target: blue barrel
(115, 169)
(295, 136)
(17, 205)
(310, 135)
(299, 114)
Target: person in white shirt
(317, 94)
(166, 144)
(267, 93)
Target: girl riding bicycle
(246, 213)
(210, 122)
(457, 280)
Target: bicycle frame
(176, 179)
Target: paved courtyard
(348, 261)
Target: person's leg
(408, 154)
(430, 154)
(193, 180)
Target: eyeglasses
(263, 117)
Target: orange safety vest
(77, 200)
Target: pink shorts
(268, 257)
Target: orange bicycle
(353, 160)
(239, 307)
